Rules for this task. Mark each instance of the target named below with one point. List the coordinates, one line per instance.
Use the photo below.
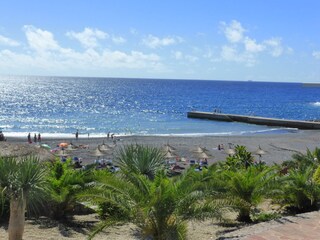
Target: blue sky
(270, 40)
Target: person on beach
(39, 137)
(35, 138)
(29, 138)
(2, 138)
(77, 134)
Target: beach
(277, 147)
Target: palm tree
(303, 161)
(21, 180)
(241, 158)
(300, 191)
(246, 188)
(140, 159)
(63, 184)
(160, 206)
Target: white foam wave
(61, 135)
(317, 104)
(104, 135)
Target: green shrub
(264, 217)
(241, 158)
(316, 175)
(107, 209)
(64, 185)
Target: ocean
(59, 106)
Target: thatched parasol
(70, 148)
(260, 152)
(169, 155)
(170, 147)
(230, 151)
(24, 150)
(97, 153)
(104, 148)
(202, 155)
(199, 150)
(167, 148)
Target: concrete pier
(255, 120)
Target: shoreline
(278, 147)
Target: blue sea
(58, 106)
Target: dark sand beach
(277, 147)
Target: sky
(273, 40)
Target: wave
(317, 104)
(104, 135)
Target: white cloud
(155, 42)
(180, 56)
(134, 59)
(8, 42)
(118, 40)
(46, 55)
(88, 37)
(177, 55)
(244, 49)
(252, 46)
(40, 40)
(234, 31)
(275, 46)
(231, 54)
(316, 54)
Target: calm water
(60, 105)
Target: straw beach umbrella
(70, 147)
(167, 148)
(23, 150)
(260, 152)
(104, 148)
(199, 150)
(169, 155)
(230, 151)
(167, 145)
(203, 155)
(97, 153)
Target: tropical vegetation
(23, 181)
(144, 193)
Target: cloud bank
(93, 51)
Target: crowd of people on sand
(109, 135)
(36, 138)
